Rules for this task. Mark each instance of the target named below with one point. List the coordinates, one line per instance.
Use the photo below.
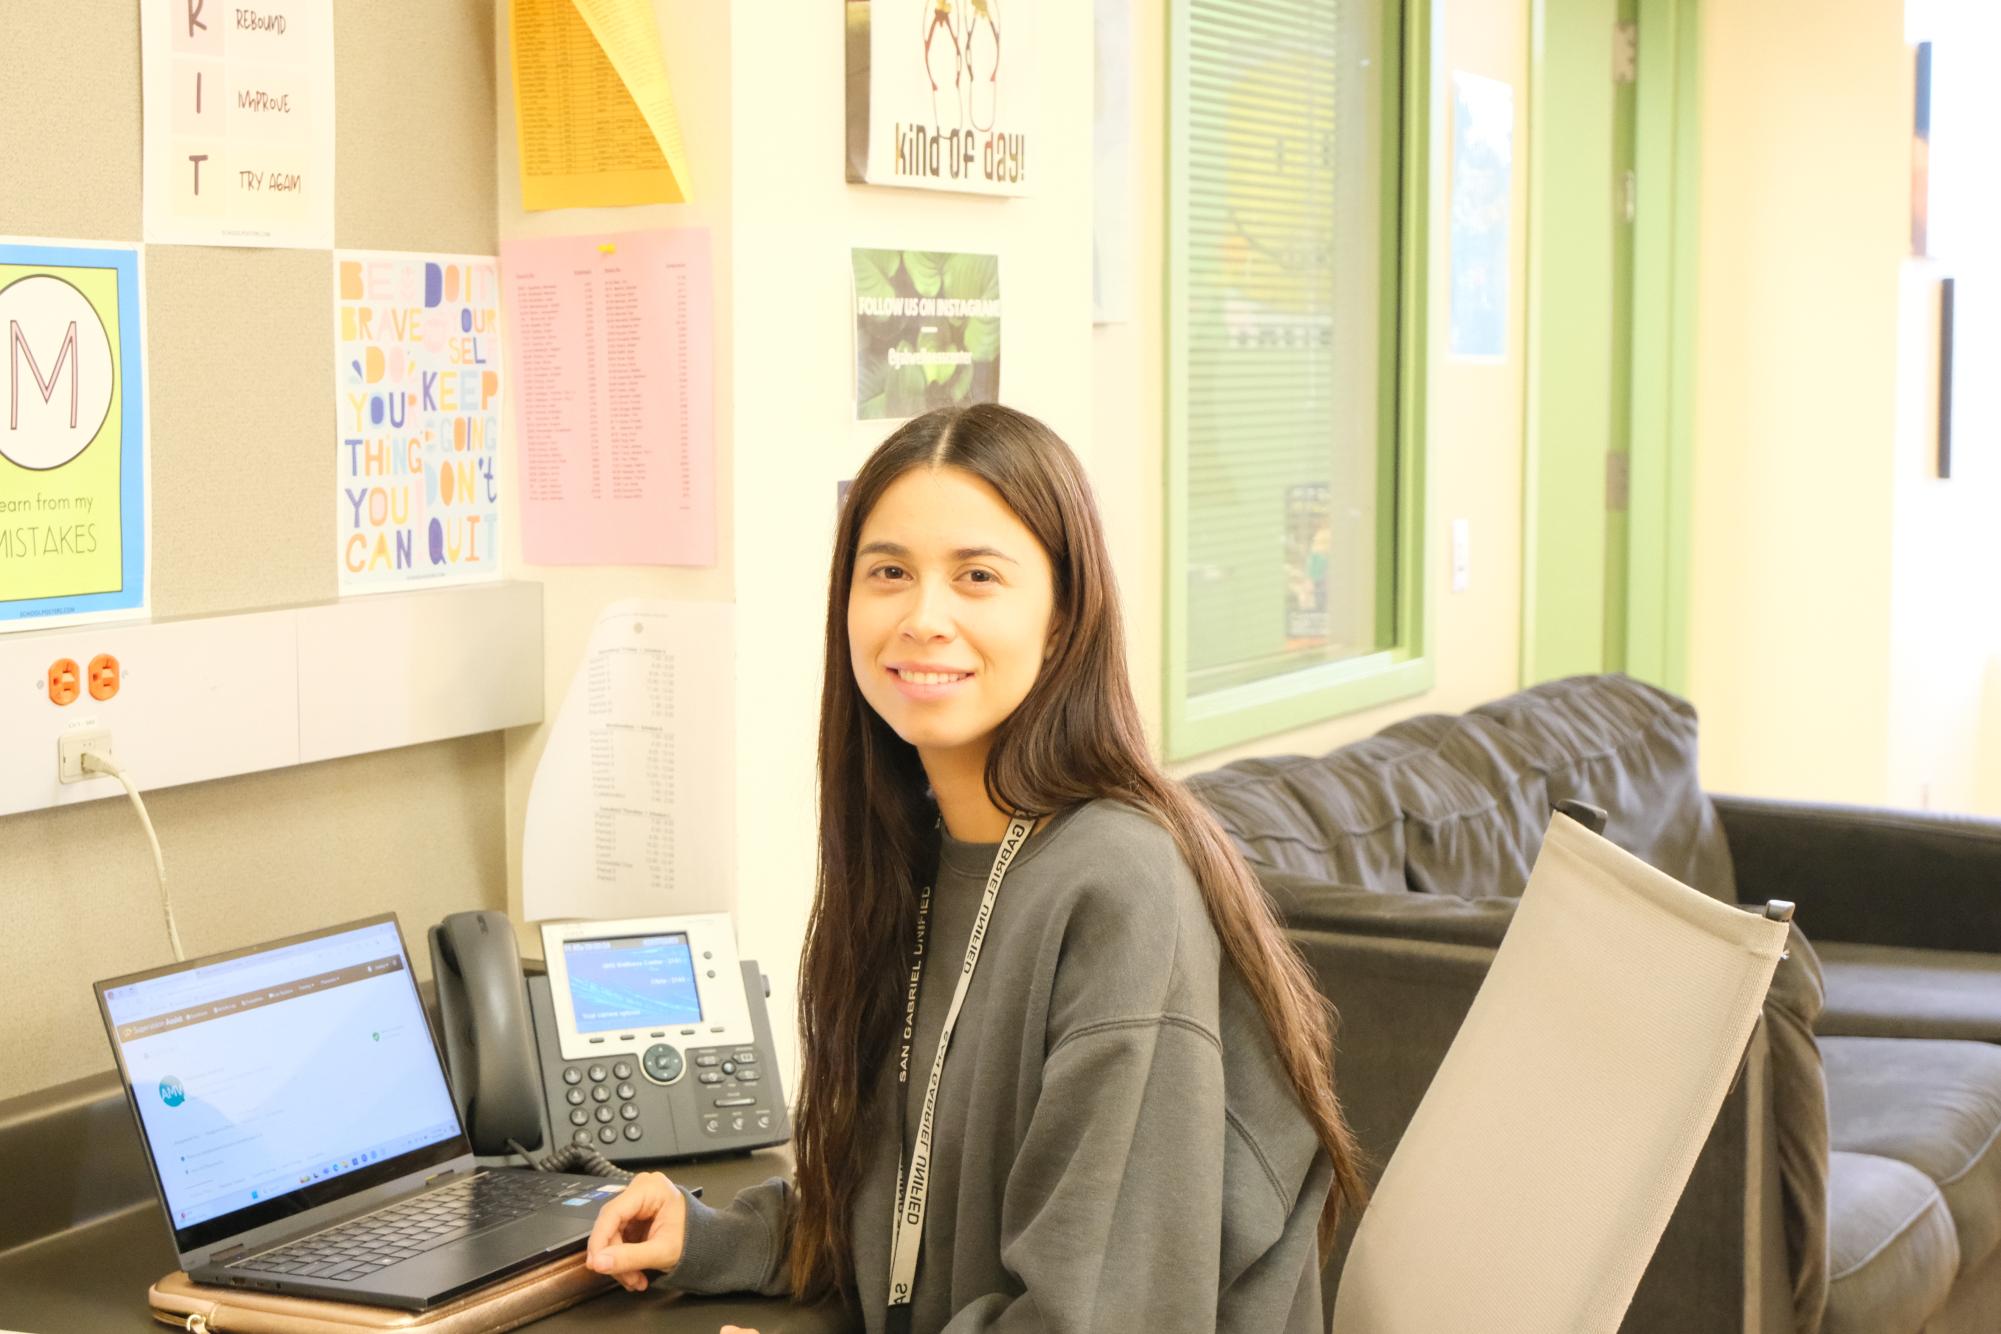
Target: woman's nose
(928, 617)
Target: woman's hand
(642, 1227)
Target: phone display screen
(629, 982)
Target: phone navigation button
(662, 1063)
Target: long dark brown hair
(1075, 737)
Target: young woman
(1136, 1128)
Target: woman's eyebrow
(963, 553)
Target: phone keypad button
(623, 1070)
(729, 1067)
(712, 1125)
(629, 1112)
(578, 1116)
(764, 1120)
(626, 1092)
(597, 1074)
(574, 1097)
(581, 1137)
(708, 1058)
(604, 1115)
(606, 1135)
(632, 1131)
(572, 1075)
(599, 1093)
(711, 1077)
(746, 1057)
(738, 1101)
(748, 1076)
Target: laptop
(302, 1135)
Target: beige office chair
(1538, 1173)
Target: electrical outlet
(103, 677)
(64, 681)
(74, 744)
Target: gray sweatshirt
(1117, 1146)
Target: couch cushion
(1474, 805)
(1892, 1254)
(1331, 818)
(1630, 748)
(1935, 1105)
(1893, 991)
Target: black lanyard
(913, 1180)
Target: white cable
(94, 763)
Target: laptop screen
(270, 1080)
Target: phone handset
(489, 1040)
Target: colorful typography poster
(418, 393)
(927, 331)
(72, 437)
(239, 122)
(941, 94)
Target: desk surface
(95, 1278)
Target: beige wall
(1842, 641)
(696, 38)
(1803, 220)
(417, 830)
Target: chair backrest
(1538, 1174)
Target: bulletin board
(239, 346)
(240, 377)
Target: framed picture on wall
(941, 94)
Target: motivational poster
(239, 122)
(927, 331)
(72, 434)
(941, 94)
(418, 391)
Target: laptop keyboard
(359, 1247)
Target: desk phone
(646, 1039)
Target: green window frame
(1399, 665)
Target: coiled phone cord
(573, 1158)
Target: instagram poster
(927, 331)
(941, 94)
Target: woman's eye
(982, 576)
(890, 571)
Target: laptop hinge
(226, 1254)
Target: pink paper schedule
(612, 339)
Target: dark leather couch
(1852, 1182)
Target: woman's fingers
(619, 1243)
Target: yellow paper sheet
(593, 109)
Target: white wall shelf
(215, 696)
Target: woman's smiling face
(950, 609)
